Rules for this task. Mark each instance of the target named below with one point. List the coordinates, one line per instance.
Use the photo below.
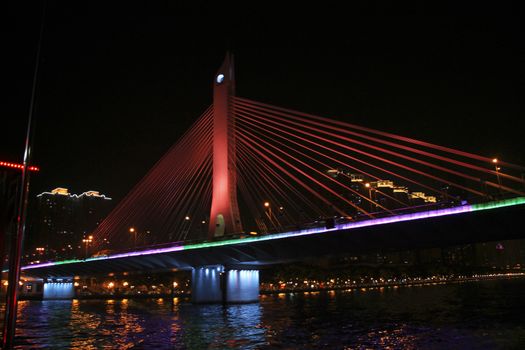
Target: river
(470, 315)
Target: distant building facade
(62, 220)
(375, 195)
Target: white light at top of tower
(220, 78)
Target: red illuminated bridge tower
(224, 213)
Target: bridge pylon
(224, 213)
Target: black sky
(119, 83)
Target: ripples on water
(482, 315)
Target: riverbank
(295, 287)
(312, 286)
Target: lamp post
(86, 242)
(134, 232)
(367, 185)
(497, 168)
(268, 212)
(269, 208)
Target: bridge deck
(496, 220)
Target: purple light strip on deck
(408, 217)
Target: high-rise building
(61, 220)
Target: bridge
(251, 184)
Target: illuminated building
(332, 172)
(345, 172)
(61, 220)
(421, 198)
(385, 184)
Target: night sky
(119, 83)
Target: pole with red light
(16, 248)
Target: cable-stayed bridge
(251, 184)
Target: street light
(174, 285)
(268, 212)
(269, 208)
(497, 168)
(134, 232)
(86, 241)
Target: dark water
(475, 315)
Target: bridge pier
(218, 284)
(58, 288)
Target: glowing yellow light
(61, 191)
(187, 218)
(175, 284)
(111, 285)
(266, 204)
(125, 284)
(6, 283)
(131, 229)
(76, 284)
(367, 185)
(385, 183)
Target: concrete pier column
(206, 284)
(58, 288)
(217, 284)
(242, 286)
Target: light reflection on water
(484, 315)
